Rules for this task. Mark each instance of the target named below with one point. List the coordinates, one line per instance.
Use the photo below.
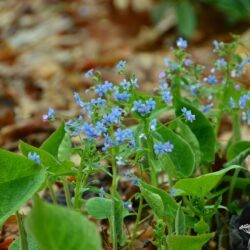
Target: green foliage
(54, 227)
(180, 242)
(20, 179)
(195, 186)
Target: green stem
(150, 154)
(137, 222)
(23, 235)
(67, 193)
(78, 187)
(236, 127)
(232, 185)
(113, 194)
(52, 194)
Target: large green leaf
(182, 155)
(187, 242)
(202, 185)
(202, 129)
(159, 200)
(20, 179)
(52, 165)
(56, 228)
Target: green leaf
(238, 160)
(201, 227)
(187, 134)
(100, 208)
(186, 18)
(49, 161)
(64, 150)
(31, 244)
(180, 223)
(53, 142)
(166, 207)
(236, 148)
(182, 155)
(118, 216)
(202, 185)
(20, 179)
(202, 129)
(180, 242)
(55, 228)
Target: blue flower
(188, 62)
(246, 117)
(232, 103)
(74, 127)
(181, 43)
(125, 84)
(102, 89)
(128, 205)
(194, 88)
(162, 75)
(34, 157)
(243, 101)
(220, 63)
(211, 79)
(120, 66)
(166, 96)
(160, 148)
(113, 117)
(134, 82)
(144, 108)
(121, 97)
(119, 161)
(102, 192)
(98, 102)
(78, 99)
(89, 73)
(89, 130)
(207, 107)
(122, 136)
(108, 142)
(188, 115)
(153, 124)
(50, 116)
(100, 128)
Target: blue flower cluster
(243, 100)
(188, 114)
(121, 96)
(181, 43)
(120, 66)
(102, 89)
(144, 108)
(160, 148)
(113, 117)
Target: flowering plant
(169, 153)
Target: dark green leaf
(31, 244)
(236, 148)
(180, 223)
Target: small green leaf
(236, 148)
(64, 150)
(186, 18)
(238, 160)
(53, 142)
(49, 161)
(100, 208)
(182, 155)
(166, 206)
(202, 129)
(56, 228)
(201, 227)
(202, 185)
(180, 242)
(180, 223)
(118, 214)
